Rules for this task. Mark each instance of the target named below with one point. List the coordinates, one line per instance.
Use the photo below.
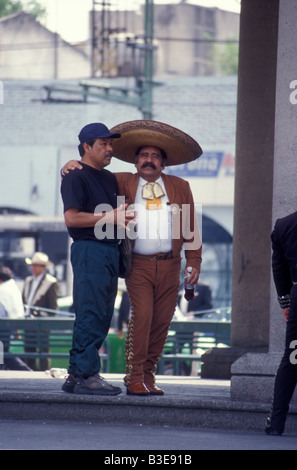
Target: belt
(156, 257)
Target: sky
(70, 18)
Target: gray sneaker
(69, 384)
(95, 385)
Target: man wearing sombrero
(167, 222)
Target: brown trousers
(153, 287)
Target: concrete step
(187, 402)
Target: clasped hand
(121, 216)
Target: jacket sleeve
(280, 269)
(52, 296)
(192, 240)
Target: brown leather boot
(137, 389)
(154, 390)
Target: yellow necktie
(153, 193)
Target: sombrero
(178, 146)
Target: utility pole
(141, 95)
(94, 42)
(147, 94)
(98, 40)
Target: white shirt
(34, 285)
(154, 232)
(11, 299)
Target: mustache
(108, 154)
(149, 164)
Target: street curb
(188, 402)
(212, 413)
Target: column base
(253, 377)
(216, 362)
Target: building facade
(28, 50)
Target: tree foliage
(225, 58)
(33, 7)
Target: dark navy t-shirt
(84, 190)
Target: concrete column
(254, 174)
(253, 374)
(285, 151)
(253, 186)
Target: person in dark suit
(201, 302)
(284, 268)
(40, 290)
(124, 314)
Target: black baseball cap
(96, 130)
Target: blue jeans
(95, 278)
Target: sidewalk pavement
(187, 402)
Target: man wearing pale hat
(40, 290)
(167, 222)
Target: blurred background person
(124, 314)
(11, 306)
(40, 290)
(202, 301)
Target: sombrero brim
(178, 146)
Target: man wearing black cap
(90, 199)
